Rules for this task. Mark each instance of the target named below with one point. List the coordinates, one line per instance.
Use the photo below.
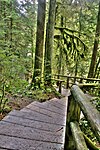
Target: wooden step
(38, 126)
(15, 130)
(3, 148)
(32, 115)
(32, 123)
(43, 109)
(50, 106)
(14, 143)
(58, 103)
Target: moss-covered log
(73, 114)
(89, 85)
(78, 136)
(90, 144)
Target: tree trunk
(97, 67)
(33, 33)
(95, 48)
(60, 50)
(39, 39)
(49, 42)
(10, 25)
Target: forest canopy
(42, 38)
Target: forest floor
(17, 102)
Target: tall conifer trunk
(10, 25)
(95, 48)
(39, 39)
(49, 42)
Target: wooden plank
(89, 111)
(55, 107)
(58, 80)
(78, 136)
(73, 114)
(53, 104)
(59, 103)
(14, 130)
(45, 111)
(89, 79)
(39, 117)
(89, 85)
(25, 144)
(40, 110)
(49, 107)
(3, 148)
(32, 123)
(35, 129)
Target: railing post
(60, 86)
(67, 84)
(74, 79)
(73, 114)
(81, 80)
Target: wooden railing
(83, 83)
(78, 102)
(70, 80)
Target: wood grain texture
(89, 111)
(38, 126)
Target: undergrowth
(84, 124)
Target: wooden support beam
(78, 136)
(67, 83)
(73, 114)
(90, 85)
(67, 76)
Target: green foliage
(72, 45)
(84, 124)
(85, 127)
(17, 44)
(38, 94)
(3, 99)
(96, 102)
(79, 22)
(43, 94)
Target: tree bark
(10, 25)
(97, 68)
(95, 48)
(49, 42)
(39, 39)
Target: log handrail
(89, 85)
(84, 78)
(78, 102)
(89, 111)
(80, 143)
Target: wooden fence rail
(79, 102)
(67, 80)
(76, 77)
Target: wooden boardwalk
(38, 126)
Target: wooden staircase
(38, 126)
